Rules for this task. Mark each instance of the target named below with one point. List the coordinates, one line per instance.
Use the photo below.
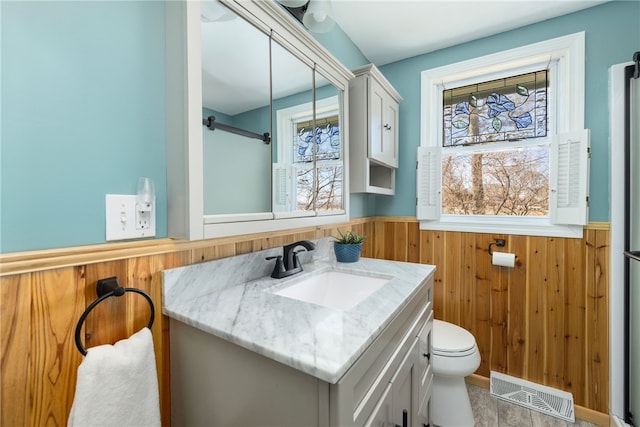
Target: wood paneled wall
(43, 294)
(545, 320)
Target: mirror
(307, 170)
(265, 154)
(330, 149)
(235, 93)
(292, 182)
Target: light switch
(122, 218)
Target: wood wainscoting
(43, 295)
(546, 320)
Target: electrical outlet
(124, 219)
(144, 211)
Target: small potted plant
(348, 246)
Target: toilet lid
(450, 338)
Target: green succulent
(349, 238)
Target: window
(309, 160)
(499, 151)
(325, 142)
(480, 177)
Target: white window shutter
(570, 178)
(281, 187)
(428, 177)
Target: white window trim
(567, 56)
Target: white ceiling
(235, 71)
(390, 30)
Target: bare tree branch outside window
(513, 183)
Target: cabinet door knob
(387, 126)
(427, 355)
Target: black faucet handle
(296, 261)
(278, 268)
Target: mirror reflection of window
(292, 94)
(330, 153)
(312, 150)
(324, 143)
(258, 85)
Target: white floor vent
(547, 400)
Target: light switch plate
(121, 218)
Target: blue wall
(341, 46)
(83, 115)
(612, 33)
(83, 110)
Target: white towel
(117, 385)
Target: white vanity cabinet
(398, 399)
(374, 132)
(216, 382)
(425, 374)
(386, 380)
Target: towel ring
(107, 288)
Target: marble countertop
(319, 341)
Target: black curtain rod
(210, 122)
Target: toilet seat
(450, 340)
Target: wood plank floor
(492, 412)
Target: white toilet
(455, 355)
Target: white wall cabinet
(185, 149)
(383, 129)
(374, 112)
(215, 382)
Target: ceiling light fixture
(315, 15)
(319, 16)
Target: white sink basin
(334, 289)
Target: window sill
(524, 228)
(234, 228)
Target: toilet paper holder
(499, 242)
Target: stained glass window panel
(499, 110)
(325, 140)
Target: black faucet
(288, 263)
